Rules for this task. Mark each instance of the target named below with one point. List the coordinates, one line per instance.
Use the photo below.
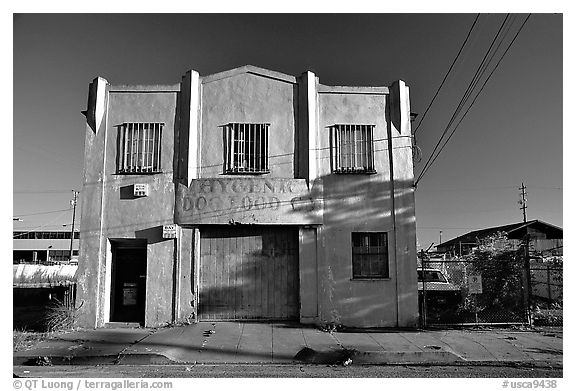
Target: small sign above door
(169, 231)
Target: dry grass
(60, 317)
(23, 340)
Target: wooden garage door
(249, 273)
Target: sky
(512, 133)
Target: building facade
(248, 194)
(44, 247)
(544, 239)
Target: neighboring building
(545, 239)
(248, 194)
(44, 247)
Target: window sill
(371, 279)
(355, 172)
(138, 173)
(246, 172)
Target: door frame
(113, 246)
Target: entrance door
(128, 285)
(249, 273)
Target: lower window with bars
(246, 148)
(370, 255)
(139, 147)
(352, 149)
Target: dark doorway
(128, 282)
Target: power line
(41, 192)
(464, 98)
(41, 226)
(447, 73)
(42, 213)
(473, 101)
(433, 158)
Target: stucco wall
(125, 216)
(347, 202)
(248, 98)
(355, 203)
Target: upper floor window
(139, 147)
(370, 255)
(246, 148)
(352, 149)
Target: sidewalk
(281, 343)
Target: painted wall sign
(475, 284)
(247, 200)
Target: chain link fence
(461, 291)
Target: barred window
(370, 255)
(352, 149)
(246, 148)
(139, 147)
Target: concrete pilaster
(404, 212)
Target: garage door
(248, 273)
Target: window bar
(234, 140)
(134, 159)
(363, 149)
(250, 162)
(230, 143)
(237, 147)
(122, 147)
(263, 151)
(266, 147)
(144, 147)
(158, 163)
(341, 146)
(240, 148)
(153, 146)
(157, 143)
(370, 147)
(252, 146)
(367, 146)
(153, 143)
(244, 151)
(127, 142)
(336, 149)
(150, 146)
(131, 146)
(238, 162)
(350, 149)
(138, 148)
(143, 151)
(257, 146)
(347, 144)
(245, 147)
(353, 135)
(344, 151)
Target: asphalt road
(290, 371)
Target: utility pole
(522, 201)
(73, 202)
(527, 277)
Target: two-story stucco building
(248, 194)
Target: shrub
(60, 316)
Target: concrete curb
(437, 358)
